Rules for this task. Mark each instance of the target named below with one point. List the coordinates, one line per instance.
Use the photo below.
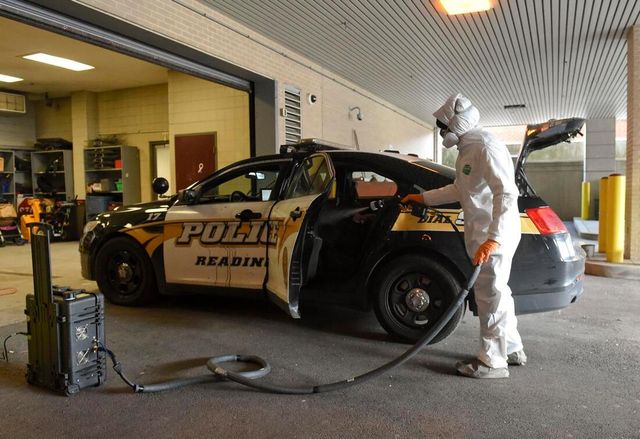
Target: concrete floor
(581, 381)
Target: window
(253, 183)
(371, 185)
(311, 177)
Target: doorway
(195, 158)
(161, 162)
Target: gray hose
(424, 341)
(248, 378)
(264, 369)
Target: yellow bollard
(586, 200)
(602, 217)
(615, 218)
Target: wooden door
(195, 158)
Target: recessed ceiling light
(7, 78)
(454, 7)
(58, 62)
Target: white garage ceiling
(560, 58)
(112, 71)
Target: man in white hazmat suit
(485, 187)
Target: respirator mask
(449, 139)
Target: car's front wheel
(124, 273)
(412, 293)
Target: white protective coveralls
(486, 189)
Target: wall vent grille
(12, 103)
(293, 115)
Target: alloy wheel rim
(125, 272)
(416, 300)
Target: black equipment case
(65, 327)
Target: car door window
(311, 177)
(252, 183)
(432, 179)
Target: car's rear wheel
(124, 273)
(413, 292)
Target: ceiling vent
(12, 103)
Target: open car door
(311, 183)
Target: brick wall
(133, 110)
(632, 215)
(379, 128)
(138, 116)
(84, 126)
(196, 25)
(53, 118)
(199, 106)
(18, 130)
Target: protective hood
(460, 116)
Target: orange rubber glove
(413, 198)
(484, 251)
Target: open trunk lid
(539, 137)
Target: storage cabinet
(52, 174)
(7, 177)
(112, 177)
(23, 177)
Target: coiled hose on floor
(249, 379)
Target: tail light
(546, 220)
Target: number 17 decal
(154, 216)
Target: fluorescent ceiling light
(58, 62)
(454, 7)
(7, 78)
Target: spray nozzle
(419, 210)
(376, 205)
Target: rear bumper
(547, 273)
(549, 300)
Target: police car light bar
(313, 145)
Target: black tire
(124, 273)
(393, 286)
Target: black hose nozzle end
(137, 388)
(419, 210)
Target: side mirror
(160, 185)
(188, 196)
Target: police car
(318, 223)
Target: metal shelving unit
(112, 176)
(7, 177)
(23, 175)
(52, 174)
